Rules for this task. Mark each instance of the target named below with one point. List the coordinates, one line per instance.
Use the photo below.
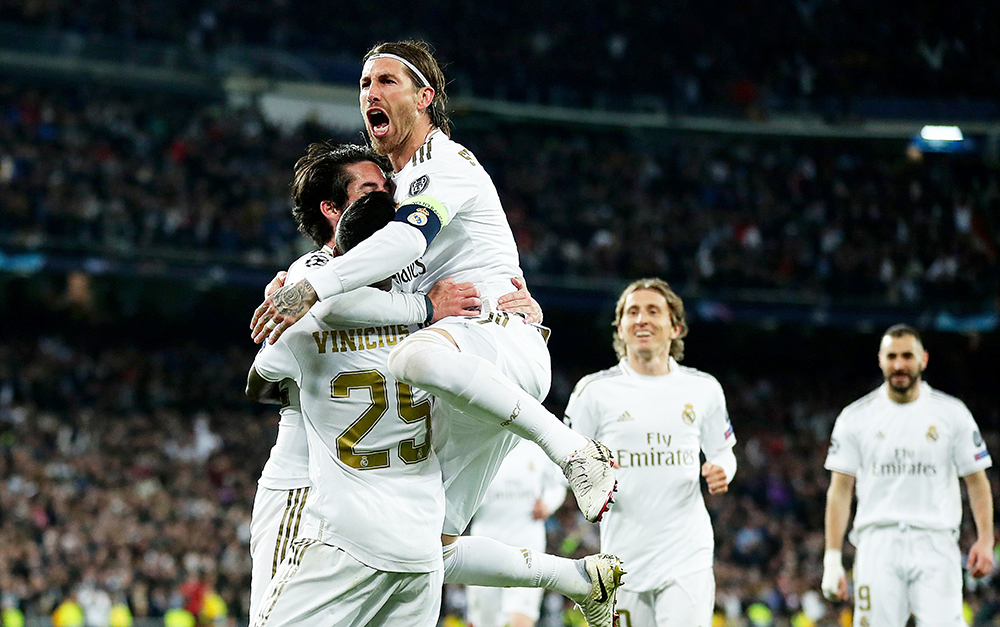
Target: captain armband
(424, 214)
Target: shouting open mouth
(378, 122)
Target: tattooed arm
(284, 308)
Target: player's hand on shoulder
(715, 476)
(521, 301)
(981, 558)
(454, 299)
(282, 309)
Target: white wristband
(833, 556)
(833, 570)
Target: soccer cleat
(591, 476)
(598, 607)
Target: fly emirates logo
(659, 453)
(904, 462)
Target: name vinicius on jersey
(368, 338)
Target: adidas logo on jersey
(626, 417)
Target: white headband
(385, 55)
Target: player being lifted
(449, 224)
(325, 178)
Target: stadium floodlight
(942, 139)
(941, 133)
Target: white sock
(479, 561)
(479, 389)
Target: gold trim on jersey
(288, 570)
(423, 153)
(288, 530)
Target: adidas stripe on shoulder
(613, 371)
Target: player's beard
(401, 126)
(913, 378)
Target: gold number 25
(374, 381)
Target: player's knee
(417, 360)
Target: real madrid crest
(419, 184)
(932, 434)
(688, 414)
(418, 217)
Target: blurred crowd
(690, 55)
(82, 169)
(128, 473)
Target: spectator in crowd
(103, 485)
(814, 53)
(82, 170)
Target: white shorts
(688, 601)
(320, 585)
(506, 341)
(470, 450)
(900, 570)
(275, 523)
(492, 607)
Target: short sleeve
(968, 449)
(443, 187)
(843, 455)
(716, 430)
(275, 362)
(581, 415)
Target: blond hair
(677, 316)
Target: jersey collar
(925, 393)
(632, 373)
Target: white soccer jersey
(287, 466)
(907, 457)
(475, 243)
(376, 484)
(506, 513)
(655, 426)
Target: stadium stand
(138, 224)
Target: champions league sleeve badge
(419, 184)
(318, 260)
